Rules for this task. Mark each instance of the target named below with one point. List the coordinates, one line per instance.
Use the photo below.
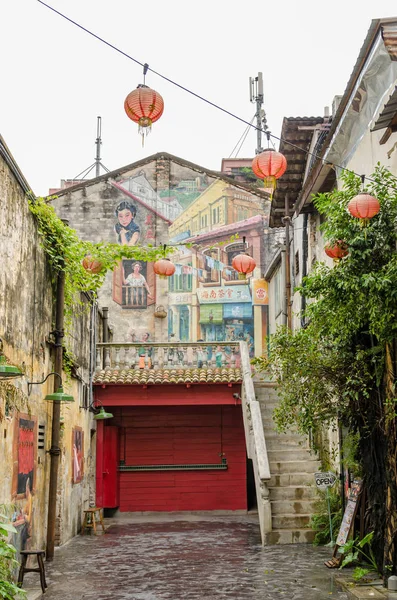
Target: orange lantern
(144, 106)
(164, 267)
(91, 265)
(244, 264)
(269, 166)
(337, 251)
(364, 207)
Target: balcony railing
(153, 355)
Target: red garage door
(183, 436)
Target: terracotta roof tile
(173, 376)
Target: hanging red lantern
(269, 166)
(91, 265)
(164, 267)
(144, 106)
(244, 264)
(337, 251)
(364, 207)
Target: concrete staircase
(292, 466)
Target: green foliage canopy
(335, 365)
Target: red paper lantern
(144, 106)
(244, 264)
(91, 265)
(337, 251)
(363, 206)
(164, 267)
(269, 166)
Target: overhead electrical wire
(185, 89)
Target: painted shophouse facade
(178, 439)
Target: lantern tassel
(270, 184)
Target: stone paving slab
(187, 559)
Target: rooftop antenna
(256, 96)
(97, 164)
(98, 143)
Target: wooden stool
(24, 557)
(90, 520)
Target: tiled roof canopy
(299, 132)
(173, 376)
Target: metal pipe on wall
(288, 307)
(56, 418)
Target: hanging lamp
(363, 206)
(102, 415)
(243, 263)
(269, 165)
(58, 396)
(92, 265)
(144, 106)
(337, 251)
(7, 371)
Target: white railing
(256, 443)
(154, 355)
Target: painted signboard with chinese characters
(224, 294)
(260, 294)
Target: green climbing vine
(11, 398)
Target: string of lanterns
(243, 263)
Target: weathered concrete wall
(26, 320)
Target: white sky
(56, 79)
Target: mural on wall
(24, 455)
(168, 201)
(24, 478)
(134, 284)
(77, 454)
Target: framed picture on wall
(77, 454)
(134, 284)
(25, 454)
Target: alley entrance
(195, 558)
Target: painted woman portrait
(126, 229)
(140, 290)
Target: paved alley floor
(193, 558)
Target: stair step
(289, 536)
(290, 479)
(296, 507)
(290, 521)
(274, 446)
(274, 441)
(309, 466)
(293, 492)
(289, 454)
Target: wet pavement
(206, 558)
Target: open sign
(325, 480)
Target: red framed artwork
(25, 456)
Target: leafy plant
(8, 589)
(355, 550)
(342, 366)
(320, 519)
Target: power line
(224, 110)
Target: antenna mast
(256, 96)
(98, 143)
(97, 164)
